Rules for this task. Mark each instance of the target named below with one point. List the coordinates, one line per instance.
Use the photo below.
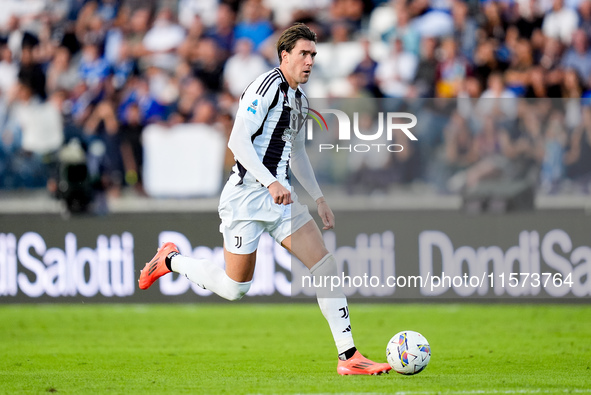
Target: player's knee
(235, 290)
(327, 266)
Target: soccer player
(266, 141)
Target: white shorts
(247, 211)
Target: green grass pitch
(287, 349)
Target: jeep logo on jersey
(395, 122)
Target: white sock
(333, 304)
(209, 276)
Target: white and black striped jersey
(269, 117)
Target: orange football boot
(156, 268)
(358, 364)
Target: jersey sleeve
(302, 168)
(252, 111)
(254, 105)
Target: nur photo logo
(380, 140)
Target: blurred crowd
(506, 82)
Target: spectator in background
(163, 39)
(431, 22)
(497, 102)
(182, 73)
(537, 40)
(395, 74)
(577, 159)
(419, 7)
(489, 144)
(223, 30)
(62, 102)
(340, 32)
(38, 132)
(350, 11)
(208, 66)
(465, 28)
(554, 147)
(93, 68)
(537, 87)
(45, 49)
(560, 22)
(572, 91)
(355, 87)
(189, 48)
(69, 40)
(405, 31)
(107, 9)
(40, 122)
(116, 36)
(530, 18)
(517, 75)
(131, 147)
(471, 89)
(459, 151)
(123, 66)
(90, 26)
(254, 23)
(192, 90)
(204, 112)
(452, 69)
(578, 57)
(243, 67)
(8, 70)
(80, 100)
(572, 85)
(404, 167)
(163, 87)
(550, 64)
(366, 70)
(585, 17)
(494, 25)
(486, 62)
(139, 94)
(31, 73)
(509, 47)
(204, 9)
(56, 11)
(226, 102)
(14, 36)
(102, 130)
(7, 142)
(426, 75)
(61, 74)
(524, 145)
(139, 24)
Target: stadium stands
(104, 70)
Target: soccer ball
(408, 352)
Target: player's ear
(284, 54)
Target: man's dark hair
(291, 35)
